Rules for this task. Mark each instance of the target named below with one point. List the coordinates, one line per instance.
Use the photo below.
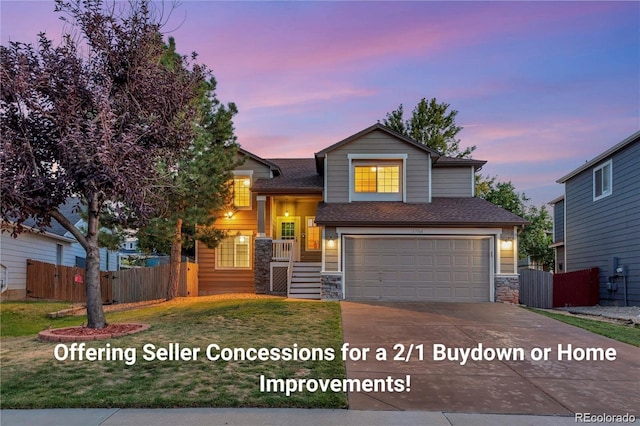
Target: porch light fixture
(506, 243)
(229, 213)
(331, 242)
(286, 213)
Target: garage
(448, 269)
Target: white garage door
(397, 268)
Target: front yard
(31, 377)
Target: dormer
(379, 164)
(376, 164)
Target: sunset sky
(540, 87)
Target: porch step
(305, 280)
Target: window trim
(243, 173)
(243, 233)
(609, 173)
(354, 159)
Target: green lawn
(31, 377)
(623, 333)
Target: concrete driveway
(551, 387)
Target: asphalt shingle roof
(69, 210)
(298, 175)
(458, 212)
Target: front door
(289, 229)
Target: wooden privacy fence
(579, 288)
(541, 289)
(536, 288)
(57, 282)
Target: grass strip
(623, 333)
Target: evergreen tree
(200, 176)
(431, 124)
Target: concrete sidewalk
(264, 416)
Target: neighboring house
(56, 245)
(376, 216)
(597, 221)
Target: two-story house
(376, 216)
(597, 221)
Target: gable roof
(320, 154)
(304, 175)
(628, 141)
(298, 175)
(383, 128)
(273, 167)
(459, 212)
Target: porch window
(602, 181)
(234, 252)
(313, 234)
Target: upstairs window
(377, 178)
(602, 181)
(242, 191)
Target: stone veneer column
(507, 288)
(331, 286)
(263, 251)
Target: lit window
(242, 191)
(602, 181)
(313, 234)
(234, 252)
(377, 178)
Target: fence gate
(58, 282)
(578, 288)
(536, 288)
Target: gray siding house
(597, 221)
(375, 216)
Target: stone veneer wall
(331, 286)
(507, 288)
(263, 251)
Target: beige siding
(506, 256)
(331, 253)
(452, 182)
(377, 142)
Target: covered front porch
(288, 249)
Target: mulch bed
(80, 333)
